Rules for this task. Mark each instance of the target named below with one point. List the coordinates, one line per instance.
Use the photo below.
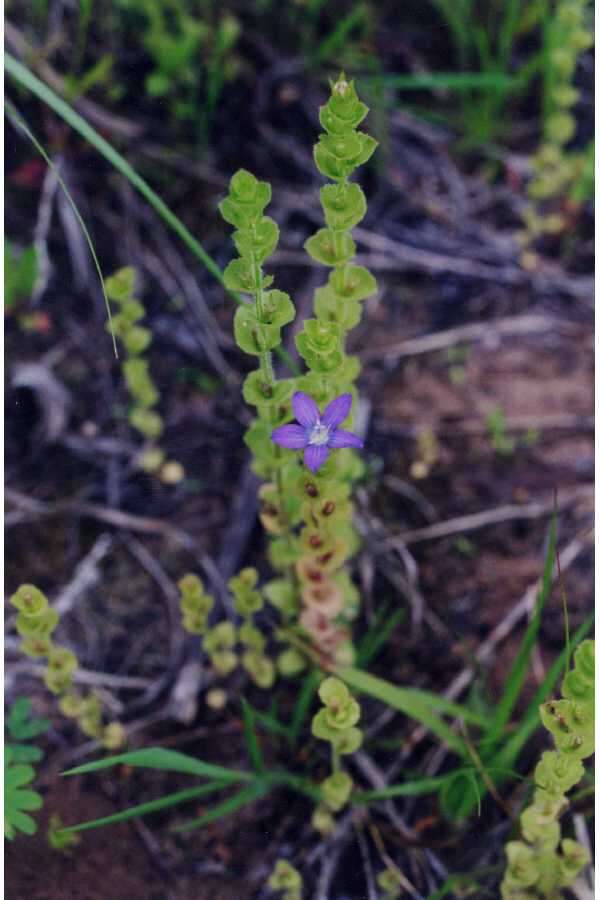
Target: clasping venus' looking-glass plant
(536, 868)
(317, 434)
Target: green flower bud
(251, 637)
(30, 601)
(291, 662)
(147, 422)
(336, 790)
(72, 705)
(221, 637)
(557, 773)
(113, 736)
(322, 821)
(574, 858)
(247, 199)
(224, 661)
(258, 241)
(62, 661)
(151, 460)
(326, 249)
(285, 877)
(344, 205)
(389, 882)
(137, 339)
(260, 668)
(319, 345)
(561, 127)
(36, 646)
(37, 626)
(242, 275)
(281, 594)
(120, 286)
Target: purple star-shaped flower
(317, 434)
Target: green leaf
(157, 758)
(322, 247)
(344, 205)
(143, 809)
(277, 308)
(377, 635)
(252, 336)
(251, 737)
(23, 753)
(227, 807)
(415, 788)
(521, 664)
(303, 703)
(417, 705)
(22, 724)
(258, 241)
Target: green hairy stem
(541, 864)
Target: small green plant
(541, 864)
(559, 174)
(19, 797)
(36, 622)
(192, 56)
(136, 339)
(502, 442)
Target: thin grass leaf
(227, 807)
(530, 721)
(158, 758)
(295, 782)
(521, 664)
(407, 701)
(338, 38)
(454, 81)
(143, 809)
(254, 751)
(271, 724)
(377, 636)
(303, 701)
(29, 81)
(408, 789)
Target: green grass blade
(508, 753)
(520, 666)
(29, 81)
(254, 751)
(455, 81)
(407, 789)
(143, 809)
(432, 701)
(407, 701)
(227, 807)
(377, 636)
(158, 758)
(19, 123)
(302, 706)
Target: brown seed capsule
(315, 541)
(328, 508)
(311, 489)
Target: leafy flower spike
(317, 434)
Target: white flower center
(319, 434)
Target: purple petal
(315, 456)
(305, 409)
(291, 436)
(341, 438)
(337, 411)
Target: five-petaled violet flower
(317, 434)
